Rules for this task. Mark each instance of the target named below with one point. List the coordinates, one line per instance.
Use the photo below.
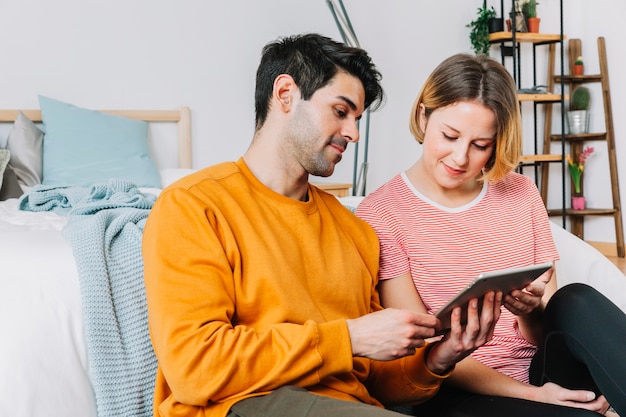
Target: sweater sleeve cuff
(334, 346)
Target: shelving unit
(576, 143)
(540, 157)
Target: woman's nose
(459, 155)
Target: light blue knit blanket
(63, 200)
(105, 229)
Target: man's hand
(390, 334)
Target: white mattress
(43, 355)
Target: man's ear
(284, 91)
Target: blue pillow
(82, 147)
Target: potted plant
(517, 18)
(576, 171)
(479, 34)
(529, 10)
(578, 114)
(496, 24)
(579, 66)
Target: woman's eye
(449, 137)
(481, 147)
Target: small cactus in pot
(578, 114)
(579, 66)
(581, 97)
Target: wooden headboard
(181, 116)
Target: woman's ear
(492, 159)
(422, 117)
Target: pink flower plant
(576, 168)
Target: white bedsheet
(44, 369)
(43, 355)
(12, 219)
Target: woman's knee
(579, 306)
(574, 297)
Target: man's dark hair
(313, 60)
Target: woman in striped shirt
(461, 210)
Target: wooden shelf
(582, 137)
(536, 38)
(585, 212)
(531, 159)
(540, 98)
(580, 79)
(511, 46)
(576, 142)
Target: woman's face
(458, 141)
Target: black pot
(496, 24)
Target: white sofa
(581, 262)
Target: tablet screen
(505, 280)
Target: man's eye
(340, 113)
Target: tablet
(505, 280)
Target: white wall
(203, 54)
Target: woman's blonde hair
(480, 79)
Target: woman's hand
(555, 394)
(528, 300)
(462, 340)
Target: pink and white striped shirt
(444, 249)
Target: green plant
(576, 167)
(529, 8)
(579, 61)
(479, 35)
(580, 99)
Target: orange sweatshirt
(249, 290)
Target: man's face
(321, 127)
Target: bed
(55, 359)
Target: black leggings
(583, 349)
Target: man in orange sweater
(261, 288)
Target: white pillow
(25, 143)
(5, 156)
(171, 175)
